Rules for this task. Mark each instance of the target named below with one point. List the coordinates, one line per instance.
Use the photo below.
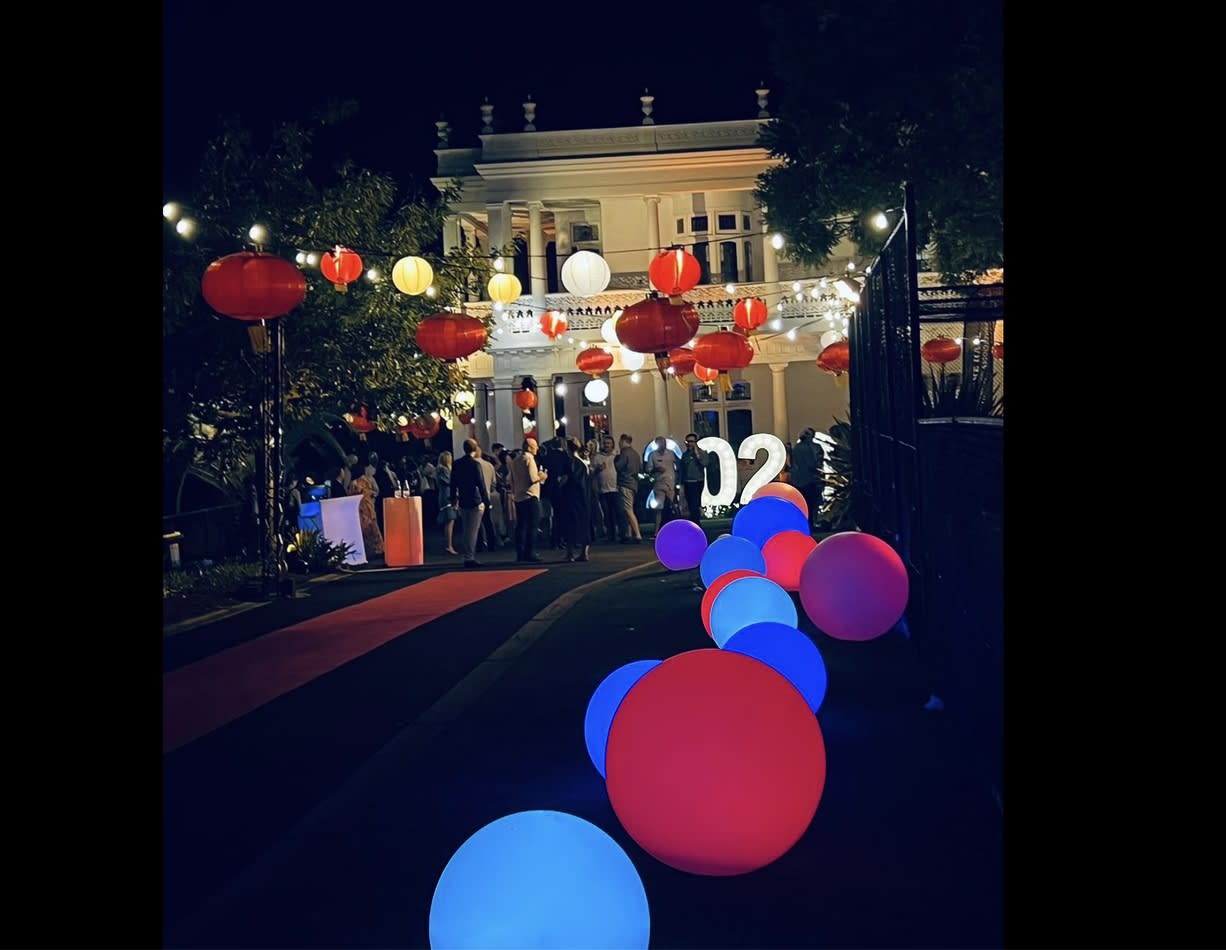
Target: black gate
(927, 405)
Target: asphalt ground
(324, 818)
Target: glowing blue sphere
(680, 545)
(765, 517)
(787, 651)
(727, 553)
(539, 879)
(602, 707)
(749, 600)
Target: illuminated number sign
(776, 457)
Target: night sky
(585, 64)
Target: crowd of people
(563, 496)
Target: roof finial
(647, 99)
(487, 117)
(762, 92)
(529, 115)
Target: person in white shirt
(526, 481)
(662, 465)
(604, 471)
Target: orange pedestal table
(402, 538)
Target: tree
(340, 348)
(880, 94)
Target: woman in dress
(446, 513)
(578, 494)
(364, 485)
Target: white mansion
(627, 193)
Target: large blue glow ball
(539, 879)
(746, 601)
(787, 651)
(765, 517)
(728, 553)
(602, 707)
(680, 545)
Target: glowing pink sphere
(854, 586)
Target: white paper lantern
(597, 390)
(466, 399)
(608, 330)
(585, 274)
(829, 337)
(631, 360)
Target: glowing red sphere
(941, 350)
(715, 763)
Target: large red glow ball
(785, 555)
(680, 545)
(786, 492)
(716, 764)
(789, 653)
(763, 518)
(854, 586)
(727, 553)
(709, 595)
(749, 600)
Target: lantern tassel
(341, 288)
(725, 381)
(840, 380)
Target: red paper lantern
(836, 358)
(466, 418)
(450, 336)
(424, 427)
(723, 350)
(705, 373)
(526, 400)
(998, 350)
(673, 272)
(656, 326)
(941, 350)
(341, 266)
(252, 286)
(554, 324)
(593, 361)
(750, 313)
(359, 421)
(682, 361)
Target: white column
(660, 401)
(770, 263)
(451, 233)
(653, 227)
(536, 254)
(479, 417)
(779, 401)
(544, 407)
(499, 226)
(507, 427)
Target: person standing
(577, 494)
(364, 485)
(429, 490)
(662, 464)
(526, 481)
(446, 516)
(806, 471)
(693, 476)
(604, 475)
(628, 466)
(470, 498)
(490, 523)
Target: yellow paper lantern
(412, 275)
(504, 288)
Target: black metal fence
(927, 398)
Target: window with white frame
(728, 415)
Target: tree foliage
(878, 94)
(340, 348)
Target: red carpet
(219, 689)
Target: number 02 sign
(776, 457)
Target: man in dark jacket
(470, 497)
(806, 472)
(628, 464)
